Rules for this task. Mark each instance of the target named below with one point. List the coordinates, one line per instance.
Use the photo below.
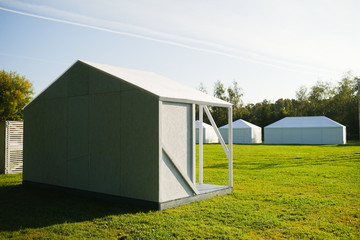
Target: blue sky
(270, 48)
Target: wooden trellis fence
(11, 146)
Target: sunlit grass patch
(280, 192)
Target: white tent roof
(205, 125)
(241, 124)
(166, 89)
(304, 122)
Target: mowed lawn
(280, 192)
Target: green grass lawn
(280, 192)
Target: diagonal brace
(227, 151)
(182, 174)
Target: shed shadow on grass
(25, 206)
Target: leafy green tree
(235, 94)
(15, 92)
(302, 94)
(343, 106)
(300, 105)
(283, 108)
(219, 90)
(202, 88)
(320, 95)
(218, 113)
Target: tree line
(338, 102)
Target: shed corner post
(7, 167)
(201, 150)
(193, 174)
(160, 150)
(230, 141)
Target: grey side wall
(176, 135)
(304, 136)
(2, 147)
(93, 132)
(209, 135)
(240, 135)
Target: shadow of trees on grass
(25, 206)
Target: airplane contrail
(269, 62)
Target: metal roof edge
(181, 100)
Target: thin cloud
(32, 58)
(225, 51)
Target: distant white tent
(305, 130)
(243, 132)
(209, 133)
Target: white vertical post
(201, 144)
(193, 173)
(358, 81)
(7, 147)
(230, 141)
(160, 161)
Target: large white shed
(243, 132)
(86, 132)
(209, 135)
(305, 130)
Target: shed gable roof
(304, 122)
(165, 89)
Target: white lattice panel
(14, 147)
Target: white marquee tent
(243, 132)
(209, 135)
(305, 130)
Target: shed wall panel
(104, 143)
(78, 173)
(55, 141)
(93, 133)
(176, 122)
(45, 150)
(34, 157)
(77, 142)
(139, 144)
(78, 127)
(172, 184)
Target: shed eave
(190, 101)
